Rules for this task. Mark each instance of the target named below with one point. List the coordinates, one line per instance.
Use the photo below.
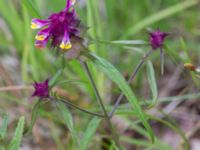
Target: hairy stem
(68, 103)
(114, 134)
(162, 60)
(135, 71)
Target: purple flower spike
(41, 89)
(157, 38)
(59, 28)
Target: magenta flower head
(157, 39)
(41, 89)
(59, 28)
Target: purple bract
(157, 38)
(41, 89)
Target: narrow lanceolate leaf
(175, 128)
(3, 128)
(54, 79)
(117, 78)
(130, 42)
(34, 116)
(32, 10)
(16, 141)
(152, 82)
(90, 131)
(68, 120)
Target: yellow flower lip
(65, 46)
(34, 26)
(40, 37)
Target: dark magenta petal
(41, 43)
(43, 31)
(38, 23)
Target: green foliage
(129, 42)
(158, 143)
(152, 82)
(3, 128)
(68, 121)
(54, 79)
(109, 30)
(175, 128)
(16, 141)
(159, 16)
(89, 133)
(34, 116)
(30, 7)
(117, 78)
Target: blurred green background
(108, 20)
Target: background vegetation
(173, 97)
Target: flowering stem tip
(59, 28)
(41, 89)
(157, 39)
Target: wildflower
(59, 28)
(41, 89)
(157, 38)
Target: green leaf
(173, 127)
(135, 142)
(114, 147)
(30, 7)
(54, 79)
(71, 82)
(186, 57)
(152, 82)
(117, 78)
(90, 131)
(34, 116)
(4, 126)
(129, 42)
(12, 20)
(68, 120)
(94, 19)
(16, 141)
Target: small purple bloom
(157, 38)
(41, 89)
(59, 28)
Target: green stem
(81, 109)
(95, 88)
(162, 61)
(114, 134)
(135, 71)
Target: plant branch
(162, 60)
(81, 109)
(114, 134)
(95, 88)
(135, 71)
